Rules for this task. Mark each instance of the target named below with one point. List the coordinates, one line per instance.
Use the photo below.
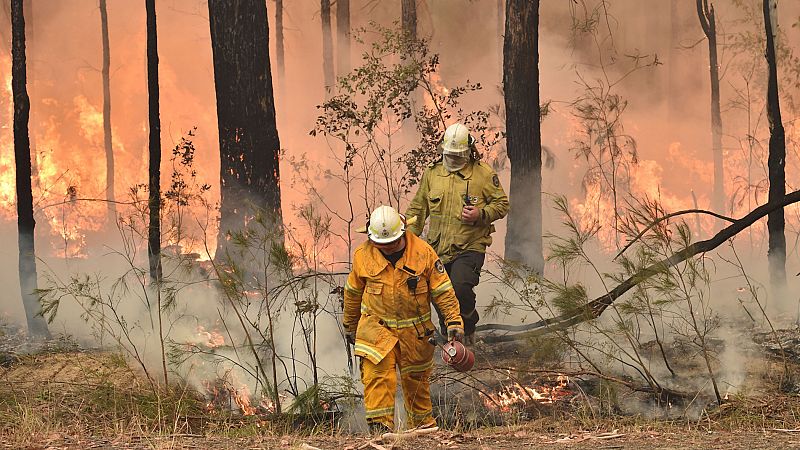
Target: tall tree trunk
(30, 43)
(22, 159)
(154, 201)
(776, 162)
(705, 12)
(279, 55)
(523, 132)
(409, 18)
(110, 197)
(327, 46)
(248, 136)
(342, 37)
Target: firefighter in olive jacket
(462, 197)
(387, 316)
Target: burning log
(595, 308)
(517, 394)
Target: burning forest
(413, 224)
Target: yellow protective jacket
(441, 197)
(380, 306)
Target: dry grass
(81, 399)
(84, 393)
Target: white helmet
(456, 140)
(385, 225)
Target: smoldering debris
(783, 343)
(15, 342)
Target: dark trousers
(465, 272)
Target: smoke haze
(668, 114)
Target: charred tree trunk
(248, 136)
(705, 12)
(22, 159)
(44, 228)
(327, 46)
(342, 37)
(112, 207)
(776, 162)
(30, 43)
(409, 18)
(523, 133)
(154, 171)
(279, 55)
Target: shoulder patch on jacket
(495, 180)
(439, 266)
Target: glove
(455, 334)
(350, 336)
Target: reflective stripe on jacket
(379, 304)
(441, 197)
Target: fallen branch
(663, 394)
(309, 447)
(371, 443)
(376, 446)
(585, 436)
(408, 433)
(668, 216)
(593, 309)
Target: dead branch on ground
(595, 308)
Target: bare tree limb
(595, 308)
(702, 13)
(670, 215)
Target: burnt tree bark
(523, 133)
(154, 171)
(776, 161)
(248, 135)
(705, 12)
(107, 142)
(31, 84)
(43, 228)
(408, 15)
(327, 46)
(22, 159)
(342, 37)
(595, 308)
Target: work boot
(469, 339)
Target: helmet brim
(408, 222)
(386, 240)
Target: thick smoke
(667, 114)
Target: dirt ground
(62, 397)
(522, 437)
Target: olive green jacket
(441, 197)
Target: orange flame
(519, 395)
(242, 398)
(211, 339)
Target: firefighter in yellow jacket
(387, 316)
(462, 196)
